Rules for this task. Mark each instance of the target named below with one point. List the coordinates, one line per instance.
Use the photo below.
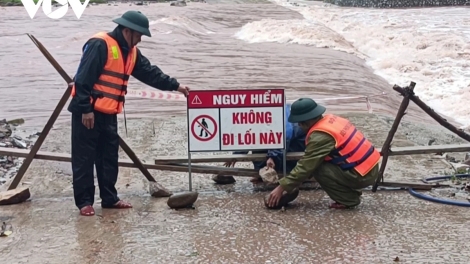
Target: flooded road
(230, 228)
(198, 45)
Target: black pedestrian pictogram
(204, 125)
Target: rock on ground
(9, 164)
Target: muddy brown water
(194, 44)
(229, 224)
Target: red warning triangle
(196, 100)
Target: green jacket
(318, 147)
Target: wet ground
(230, 224)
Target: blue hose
(437, 200)
(444, 178)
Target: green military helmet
(305, 109)
(136, 21)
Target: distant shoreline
(8, 3)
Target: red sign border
(196, 92)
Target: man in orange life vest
(337, 155)
(100, 86)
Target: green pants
(344, 186)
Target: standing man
(98, 95)
(204, 125)
(337, 155)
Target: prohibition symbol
(203, 130)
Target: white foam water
(184, 23)
(430, 46)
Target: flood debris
(14, 196)
(8, 164)
(6, 230)
(178, 3)
(223, 179)
(182, 200)
(269, 175)
(16, 122)
(157, 190)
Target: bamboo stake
(388, 141)
(443, 122)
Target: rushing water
(251, 44)
(197, 44)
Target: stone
(16, 122)
(285, 199)
(467, 156)
(157, 190)
(6, 132)
(14, 196)
(19, 144)
(223, 179)
(178, 3)
(269, 175)
(182, 200)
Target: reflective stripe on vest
(352, 149)
(111, 87)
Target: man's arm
(294, 144)
(91, 66)
(318, 147)
(152, 75)
(276, 155)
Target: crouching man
(295, 142)
(337, 155)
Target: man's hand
(275, 196)
(184, 90)
(229, 164)
(88, 120)
(270, 163)
(71, 84)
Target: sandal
(119, 205)
(336, 205)
(87, 210)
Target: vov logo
(77, 7)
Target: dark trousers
(98, 146)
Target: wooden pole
(64, 157)
(136, 160)
(443, 122)
(47, 128)
(388, 142)
(397, 151)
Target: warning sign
(196, 100)
(231, 120)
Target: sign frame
(193, 102)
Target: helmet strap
(132, 39)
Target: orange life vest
(352, 149)
(111, 87)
